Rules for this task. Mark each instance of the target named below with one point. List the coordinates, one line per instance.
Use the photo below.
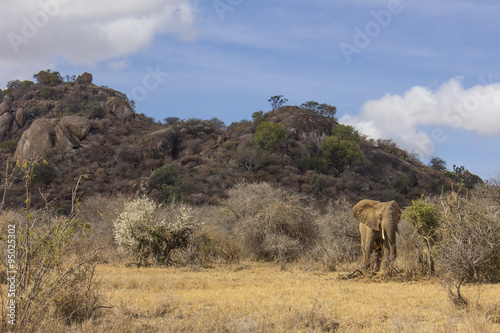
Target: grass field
(259, 297)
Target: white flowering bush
(150, 234)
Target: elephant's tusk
(383, 234)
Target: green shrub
(165, 175)
(258, 117)
(95, 110)
(342, 154)
(170, 183)
(44, 173)
(319, 181)
(271, 136)
(9, 145)
(424, 216)
(316, 163)
(400, 182)
(13, 84)
(173, 193)
(463, 176)
(49, 78)
(47, 92)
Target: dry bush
(411, 246)
(45, 264)
(247, 200)
(99, 212)
(470, 238)
(213, 241)
(82, 297)
(129, 153)
(340, 240)
(49, 276)
(282, 230)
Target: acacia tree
(324, 109)
(277, 101)
(438, 163)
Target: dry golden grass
(259, 297)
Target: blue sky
(423, 73)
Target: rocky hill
(82, 129)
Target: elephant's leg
(367, 248)
(362, 231)
(388, 255)
(377, 255)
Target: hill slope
(83, 129)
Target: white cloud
(118, 65)
(86, 32)
(451, 106)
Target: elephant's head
(380, 216)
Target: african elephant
(378, 226)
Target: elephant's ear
(396, 208)
(365, 212)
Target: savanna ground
(267, 260)
(260, 297)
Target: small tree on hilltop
(324, 109)
(437, 163)
(277, 101)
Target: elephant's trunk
(391, 235)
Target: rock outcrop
(65, 138)
(145, 186)
(5, 105)
(159, 143)
(78, 126)
(20, 117)
(120, 108)
(38, 140)
(6, 120)
(85, 78)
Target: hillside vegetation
(117, 150)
